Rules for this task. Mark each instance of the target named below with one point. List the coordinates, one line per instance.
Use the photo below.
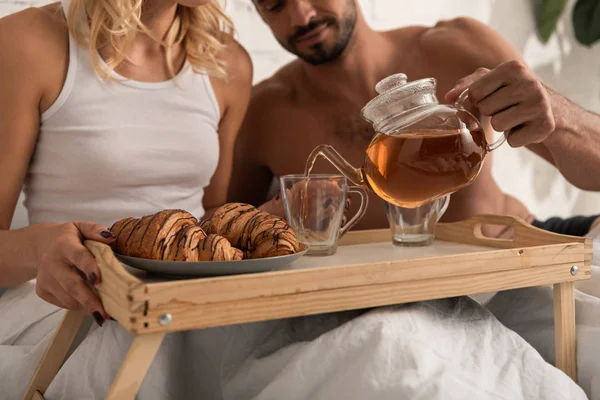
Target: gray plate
(211, 268)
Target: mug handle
(364, 203)
(460, 105)
(444, 207)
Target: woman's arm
(233, 96)
(23, 82)
(33, 65)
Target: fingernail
(93, 279)
(327, 202)
(98, 318)
(107, 234)
(347, 204)
(344, 221)
(277, 197)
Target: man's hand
(515, 99)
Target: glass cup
(314, 207)
(415, 226)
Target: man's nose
(301, 12)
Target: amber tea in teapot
(440, 162)
(422, 150)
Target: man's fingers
(464, 84)
(92, 231)
(524, 135)
(504, 75)
(512, 117)
(503, 99)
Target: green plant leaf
(586, 21)
(547, 14)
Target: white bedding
(446, 349)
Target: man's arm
(531, 113)
(575, 143)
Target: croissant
(257, 233)
(217, 248)
(172, 235)
(152, 235)
(184, 246)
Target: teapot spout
(355, 175)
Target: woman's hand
(66, 270)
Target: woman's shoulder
(34, 29)
(34, 43)
(237, 62)
(233, 90)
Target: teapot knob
(391, 82)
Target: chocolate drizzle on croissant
(257, 233)
(217, 248)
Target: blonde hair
(203, 31)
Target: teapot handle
(460, 104)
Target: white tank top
(109, 150)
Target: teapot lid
(392, 99)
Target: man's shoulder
(468, 38)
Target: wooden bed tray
(367, 271)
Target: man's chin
(318, 57)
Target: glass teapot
(422, 150)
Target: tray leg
(55, 354)
(134, 367)
(565, 338)
(37, 396)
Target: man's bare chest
(310, 127)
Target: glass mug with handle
(314, 207)
(415, 226)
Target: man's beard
(322, 53)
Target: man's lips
(314, 36)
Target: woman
(109, 109)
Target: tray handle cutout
(518, 232)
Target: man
(317, 99)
